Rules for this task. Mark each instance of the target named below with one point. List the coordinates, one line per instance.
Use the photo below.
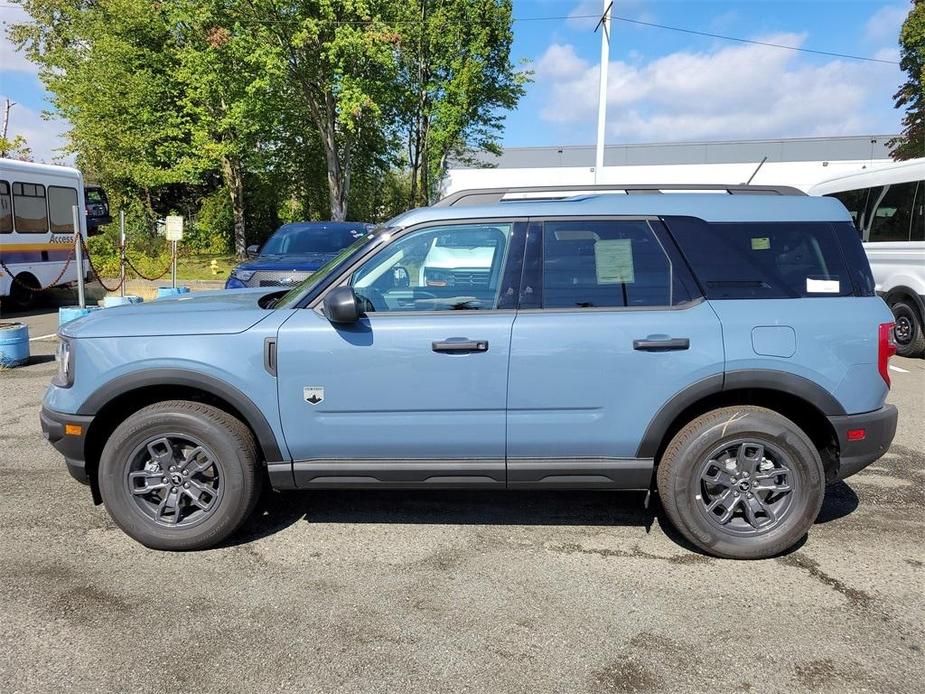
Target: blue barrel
(109, 301)
(68, 313)
(14, 344)
(163, 292)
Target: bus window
(891, 219)
(31, 215)
(856, 203)
(918, 215)
(6, 209)
(60, 202)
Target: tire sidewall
(114, 466)
(776, 432)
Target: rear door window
(770, 260)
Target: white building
(797, 162)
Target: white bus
(37, 228)
(888, 207)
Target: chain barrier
(99, 278)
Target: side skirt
(521, 473)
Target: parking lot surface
(355, 591)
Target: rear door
(610, 329)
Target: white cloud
(12, 60)
(43, 137)
(560, 62)
(885, 24)
(733, 91)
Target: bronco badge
(313, 394)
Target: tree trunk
(234, 181)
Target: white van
(888, 207)
(37, 228)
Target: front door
(607, 333)
(415, 392)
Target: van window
(608, 263)
(29, 208)
(891, 220)
(855, 201)
(917, 232)
(6, 209)
(763, 260)
(60, 202)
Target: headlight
(243, 275)
(434, 277)
(65, 358)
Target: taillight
(886, 348)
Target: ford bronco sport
(723, 348)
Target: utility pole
(604, 24)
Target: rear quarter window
(764, 260)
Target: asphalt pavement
(357, 591)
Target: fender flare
(252, 414)
(902, 292)
(742, 379)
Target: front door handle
(460, 346)
(662, 345)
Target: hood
(202, 313)
(305, 262)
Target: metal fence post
(79, 256)
(173, 279)
(121, 252)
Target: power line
(625, 20)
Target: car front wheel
(741, 482)
(179, 475)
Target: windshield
(307, 285)
(297, 239)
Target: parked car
(888, 208)
(293, 253)
(725, 351)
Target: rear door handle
(666, 345)
(460, 346)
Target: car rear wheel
(909, 332)
(741, 482)
(179, 475)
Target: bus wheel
(23, 291)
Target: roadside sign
(174, 229)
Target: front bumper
(70, 445)
(879, 428)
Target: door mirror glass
(342, 306)
(400, 278)
(253, 250)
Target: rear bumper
(69, 445)
(879, 428)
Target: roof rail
(489, 196)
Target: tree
(457, 80)
(911, 95)
(15, 147)
(339, 59)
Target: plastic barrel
(163, 292)
(109, 301)
(14, 344)
(68, 313)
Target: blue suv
(723, 349)
(293, 253)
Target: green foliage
(15, 147)
(911, 95)
(213, 227)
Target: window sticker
(614, 261)
(762, 243)
(822, 286)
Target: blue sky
(663, 85)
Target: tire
(909, 326)
(169, 432)
(686, 496)
(21, 297)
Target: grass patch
(200, 267)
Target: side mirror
(342, 306)
(252, 250)
(400, 278)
